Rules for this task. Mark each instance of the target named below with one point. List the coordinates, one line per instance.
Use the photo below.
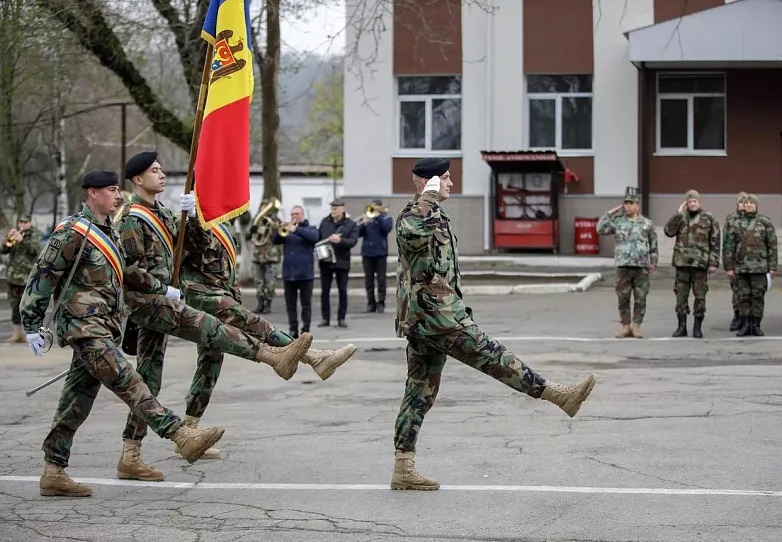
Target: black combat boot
(745, 326)
(324, 323)
(381, 308)
(681, 331)
(696, 327)
(371, 307)
(756, 331)
(294, 333)
(267, 307)
(260, 307)
(736, 322)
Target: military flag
(222, 166)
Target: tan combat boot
(325, 362)
(56, 483)
(194, 442)
(569, 398)
(211, 453)
(132, 467)
(624, 331)
(637, 331)
(16, 336)
(285, 359)
(407, 477)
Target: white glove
(36, 343)
(433, 184)
(173, 293)
(187, 203)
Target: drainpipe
(488, 136)
(643, 139)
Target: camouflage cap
(741, 197)
(752, 198)
(24, 218)
(631, 198)
(692, 194)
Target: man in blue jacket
(298, 268)
(374, 252)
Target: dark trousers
(375, 265)
(327, 273)
(293, 290)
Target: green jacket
(751, 246)
(697, 239)
(22, 257)
(635, 240)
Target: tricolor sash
(151, 219)
(99, 240)
(223, 235)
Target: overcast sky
(318, 31)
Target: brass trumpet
(13, 238)
(371, 211)
(282, 231)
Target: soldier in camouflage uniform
(635, 253)
(209, 282)
(433, 318)
(730, 220)
(23, 244)
(147, 231)
(696, 255)
(266, 256)
(750, 253)
(89, 320)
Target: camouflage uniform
(635, 252)
(89, 320)
(265, 260)
(149, 267)
(750, 251)
(697, 249)
(20, 262)
(730, 224)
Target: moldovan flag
(222, 167)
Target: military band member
(635, 256)
(730, 221)
(266, 256)
(23, 243)
(209, 282)
(147, 231)
(751, 253)
(433, 318)
(89, 321)
(374, 254)
(696, 255)
(342, 233)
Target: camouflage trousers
(735, 292)
(15, 292)
(95, 362)
(159, 317)
(632, 281)
(426, 355)
(751, 290)
(691, 278)
(210, 360)
(264, 275)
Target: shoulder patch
(56, 243)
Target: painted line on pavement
(564, 339)
(385, 487)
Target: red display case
(525, 199)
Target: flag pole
(199, 117)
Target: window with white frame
(691, 113)
(559, 112)
(430, 113)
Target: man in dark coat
(342, 234)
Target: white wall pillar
(369, 139)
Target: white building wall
(369, 141)
(615, 101)
(474, 97)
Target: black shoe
(267, 307)
(371, 307)
(745, 326)
(294, 333)
(735, 324)
(756, 331)
(381, 308)
(324, 323)
(681, 331)
(305, 328)
(696, 327)
(342, 323)
(260, 307)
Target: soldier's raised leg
(758, 287)
(700, 287)
(623, 289)
(681, 287)
(735, 323)
(641, 285)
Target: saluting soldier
(730, 222)
(433, 318)
(696, 255)
(147, 231)
(23, 244)
(89, 321)
(209, 281)
(751, 253)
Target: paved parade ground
(679, 441)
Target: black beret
(139, 163)
(100, 179)
(337, 203)
(426, 168)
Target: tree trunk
(270, 116)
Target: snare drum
(324, 251)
